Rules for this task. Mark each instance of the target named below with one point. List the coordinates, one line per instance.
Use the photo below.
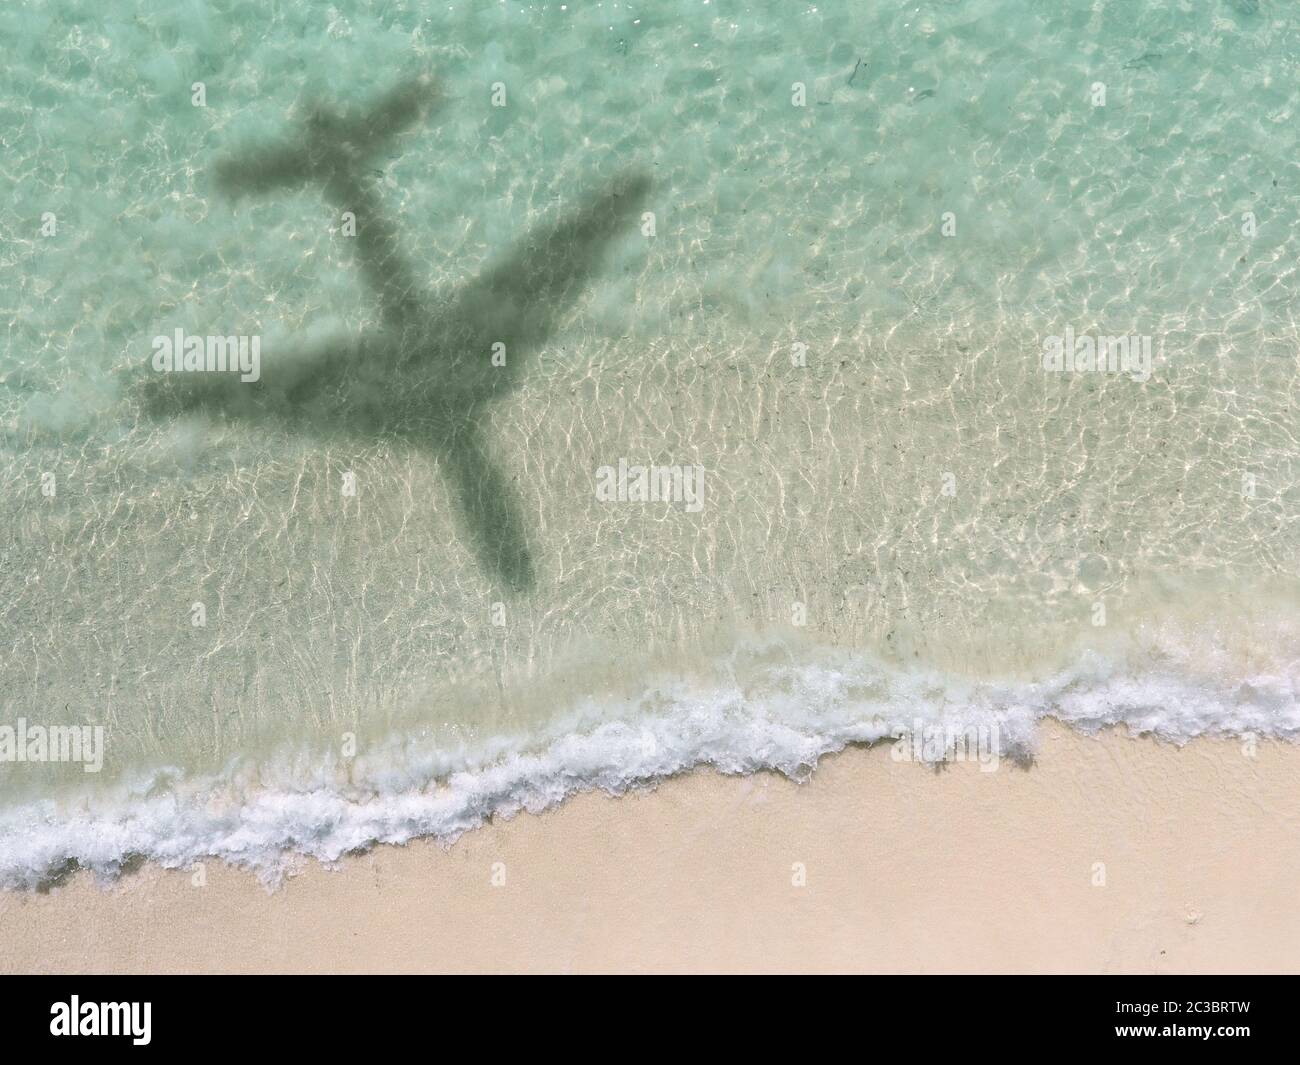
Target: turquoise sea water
(816, 252)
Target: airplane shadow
(427, 374)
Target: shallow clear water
(860, 227)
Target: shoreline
(904, 868)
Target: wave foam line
(785, 717)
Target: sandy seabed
(1108, 854)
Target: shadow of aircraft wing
(520, 300)
(518, 303)
(489, 505)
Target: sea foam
(784, 716)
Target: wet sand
(904, 869)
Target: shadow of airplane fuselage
(425, 376)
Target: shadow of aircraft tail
(426, 375)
